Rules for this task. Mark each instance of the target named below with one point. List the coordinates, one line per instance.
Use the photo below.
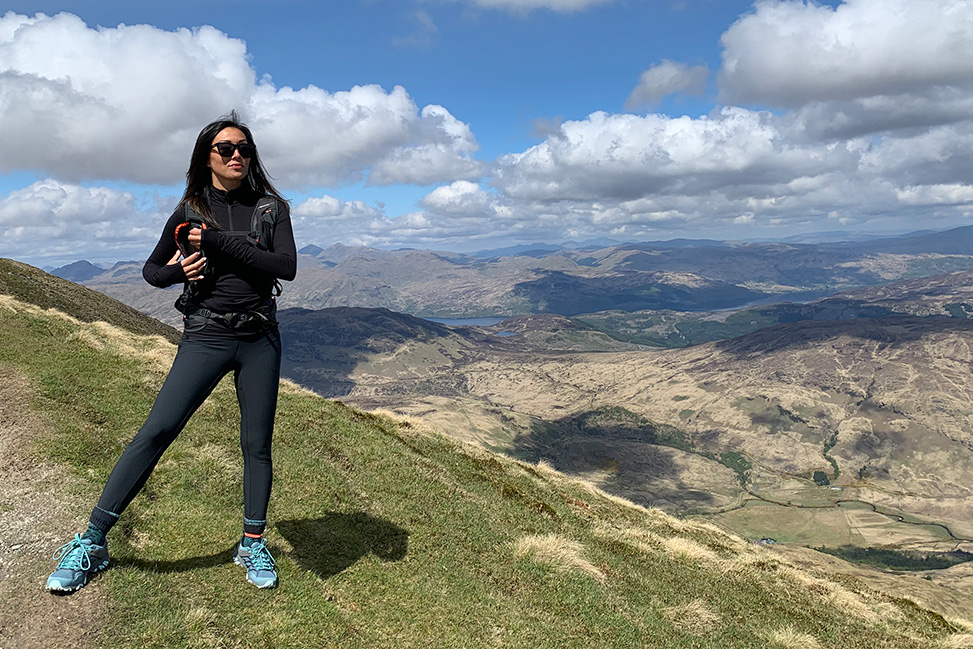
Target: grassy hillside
(386, 535)
(42, 289)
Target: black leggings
(203, 358)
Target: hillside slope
(33, 285)
(386, 535)
(815, 433)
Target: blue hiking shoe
(260, 564)
(79, 559)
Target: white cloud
(945, 194)
(313, 137)
(667, 78)
(325, 220)
(872, 125)
(622, 157)
(442, 148)
(740, 167)
(329, 210)
(49, 203)
(127, 102)
(52, 219)
(791, 53)
(112, 103)
(865, 66)
(461, 197)
(924, 157)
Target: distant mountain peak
(79, 271)
(311, 249)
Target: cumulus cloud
(791, 53)
(871, 123)
(78, 102)
(667, 78)
(50, 219)
(621, 157)
(874, 118)
(461, 197)
(862, 67)
(126, 103)
(737, 167)
(313, 137)
(443, 149)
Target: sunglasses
(226, 149)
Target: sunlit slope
(33, 285)
(386, 535)
(810, 413)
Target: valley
(734, 431)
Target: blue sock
(94, 535)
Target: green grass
(49, 292)
(738, 462)
(904, 560)
(390, 536)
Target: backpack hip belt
(263, 317)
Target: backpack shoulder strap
(191, 215)
(262, 225)
(263, 222)
(193, 220)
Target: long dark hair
(199, 178)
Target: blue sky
(470, 124)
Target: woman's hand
(196, 238)
(193, 266)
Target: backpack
(262, 224)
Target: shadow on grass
(334, 542)
(179, 565)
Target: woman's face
(228, 171)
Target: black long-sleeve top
(239, 276)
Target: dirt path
(40, 507)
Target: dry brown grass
(791, 639)
(544, 467)
(558, 552)
(694, 617)
(762, 561)
(289, 387)
(959, 641)
(962, 623)
(837, 595)
(647, 541)
(156, 350)
(684, 548)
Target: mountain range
(685, 275)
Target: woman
(230, 324)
